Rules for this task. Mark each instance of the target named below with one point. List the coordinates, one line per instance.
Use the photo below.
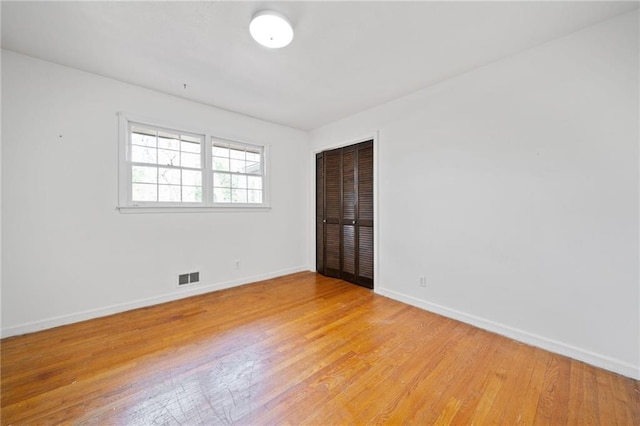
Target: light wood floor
(301, 349)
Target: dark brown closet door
(320, 212)
(332, 212)
(344, 213)
(348, 222)
(365, 215)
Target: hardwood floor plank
(449, 412)
(576, 401)
(557, 387)
(590, 392)
(606, 406)
(299, 349)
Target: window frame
(238, 145)
(127, 205)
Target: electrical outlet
(423, 281)
(237, 263)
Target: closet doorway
(344, 213)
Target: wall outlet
(423, 281)
(237, 263)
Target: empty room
(320, 213)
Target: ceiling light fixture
(271, 29)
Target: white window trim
(125, 205)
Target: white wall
(514, 189)
(67, 254)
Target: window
(237, 173)
(162, 168)
(166, 166)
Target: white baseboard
(597, 360)
(141, 303)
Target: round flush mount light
(271, 29)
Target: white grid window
(166, 166)
(237, 173)
(162, 168)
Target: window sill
(191, 209)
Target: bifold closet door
(364, 222)
(348, 222)
(332, 213)
(344, 213)
(320, 213)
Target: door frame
(376, 220)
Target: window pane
(255, 196)
(191, 160)
(169, 176)
(141, 154)
(169, 193)
(190, 147)
(143, 174)
(253, 168)
(221, 195)
(220, 152)
(192, 194)
(169, 142)
(254, 182)
(221, 164)
(144, 192)
(237, 154)
(253, 156)
(169, 158)
(238, 166)
(191, 177)
(238, 181)
(222, 180)
(238, 195)
(143, 139)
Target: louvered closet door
(365, 214)
(320, 212)
(348, 220)
(344, 213)
(332, 213)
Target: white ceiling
(345, 56)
